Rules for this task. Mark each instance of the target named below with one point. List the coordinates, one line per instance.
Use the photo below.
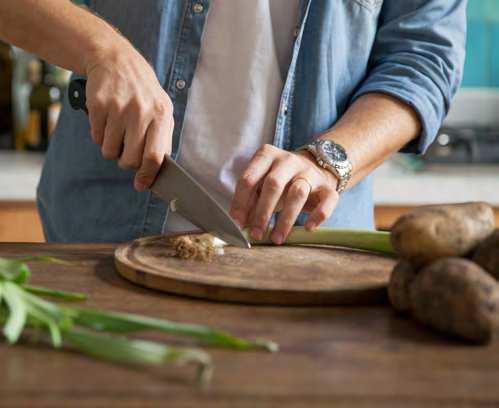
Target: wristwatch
(332, 157)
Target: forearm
(372, 129)
(57, 30)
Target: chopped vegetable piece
(200, 247)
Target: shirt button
(180, 84)
(198, 8)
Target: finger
(97, 116)
(134, 143)
(157, 144)
(293, 204)
(97, 126)
(252, 208)
(328, 200)
(113, 138)
(249, 181)
(273, 187)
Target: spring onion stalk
(125, 351)
(126, 322)
(375, 241)
(89, 330)
(61, 294)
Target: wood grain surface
(355, 356)
(262, 275)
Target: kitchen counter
(351, 356)
(436, 184)
(19, 174)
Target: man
(233, 89)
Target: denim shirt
(410, 49)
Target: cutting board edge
(374, 295)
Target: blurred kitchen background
(462, 165)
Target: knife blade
(180, 190)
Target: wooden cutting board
(287, 275)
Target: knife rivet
(198, 8)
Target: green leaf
(44, 258)
(125, 322)
(39, 318)
(70, 296)
(17, 312)
(124, 351)
(14, 270)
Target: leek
(375, 241)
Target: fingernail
(310, 226)
(256, 233)
(278, 238)
(140, 187)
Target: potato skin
(432, 232)
(398, 288)
(457, 297)
(487, 254)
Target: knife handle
(77, 94)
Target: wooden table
(337, 356)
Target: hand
(131, 116)
(289, 182)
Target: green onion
(63, 295)
(375, 241)
(124, 351)
(125, 322)
(87, 330)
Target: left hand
(289, 182)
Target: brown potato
(487, 254)
(398, 288)
(457, 297)
(432, 232)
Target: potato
(398, 288)
(432, 232)
(487, 254)
(457, 297)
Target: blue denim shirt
(410, 49)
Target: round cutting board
(285, 275)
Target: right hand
(131, 116)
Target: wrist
(104, 52)
(330, 177)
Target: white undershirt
(234, 97)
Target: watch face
(332, 151)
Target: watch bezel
(326, 157)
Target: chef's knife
(175, 186)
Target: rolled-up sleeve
(418, 57)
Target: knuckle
(129, 164)
(273, 183)
(247, 181)
(138, 107)
(300, 191)
(154, 158)
(321, 214)
(116, 105)
(96, 102)
(144, 177)
(160, 108)
(265, 149)
(109, 154)
(260, 220)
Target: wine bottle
(45, 105)
(6, 114)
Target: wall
(482, 61)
